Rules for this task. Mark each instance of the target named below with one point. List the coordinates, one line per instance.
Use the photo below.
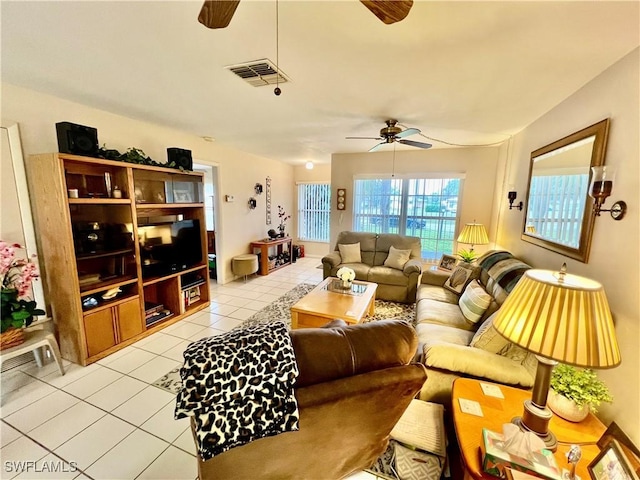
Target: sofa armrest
(435, 277)
(329, 262)
(477, 363)
(414, 265)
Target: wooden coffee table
(498, 411)
(325, 303)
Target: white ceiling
(464, 72)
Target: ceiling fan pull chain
(277, 90)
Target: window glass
(314, 207)
(421, 207)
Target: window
(314, 207)
(556, 206)
(420, 207)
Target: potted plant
(17, 310)
(576, 391)
(467, 256)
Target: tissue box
(495, 459)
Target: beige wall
(37, 115)
(320, 173)
(615, 249)
(477, 164)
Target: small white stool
(245, 264)
(34, 339)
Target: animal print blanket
(239, 387)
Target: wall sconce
(601, 187)
(258, 189)
(252, 203)
(512, 197)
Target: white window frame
(399, 220)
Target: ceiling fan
(218, 13)
(392, 133)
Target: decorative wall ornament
(268, 202)
(258, 189)
(252, 203)
(341, 198)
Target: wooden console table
(264, 246)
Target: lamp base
(536, 420)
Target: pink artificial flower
(16, 273)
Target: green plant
(467, 256)
(580, 385)
(17, 312)
(134, 155)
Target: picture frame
(458, 279)
(183, 196)
(611, 464)
(631, 451)
(447, 262)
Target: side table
(264, 245)
(497, 411)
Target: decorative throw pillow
(487, 338)
(397, 258)
(460, 278)
(474, 301)
(350, 253)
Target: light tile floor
(107, 420)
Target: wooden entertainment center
(99, 224)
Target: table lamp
(561, 318)
(473, 234)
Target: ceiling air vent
(259, 73)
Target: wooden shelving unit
(90, 246)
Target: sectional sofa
(456, 337)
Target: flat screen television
(170, 247)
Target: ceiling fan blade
(377, 147)
(415, 144)
(389, 11)
(217, 13)
(363, 138)
(407, 132)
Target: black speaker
(181, 157)
(77, 139)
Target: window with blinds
(314, 207)
(555, 208)
(420, 207)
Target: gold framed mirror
(558, 214)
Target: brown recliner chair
(355, 382)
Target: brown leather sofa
(394, 285)
(355, 382)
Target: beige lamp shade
(473, 233)
(562, 317)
